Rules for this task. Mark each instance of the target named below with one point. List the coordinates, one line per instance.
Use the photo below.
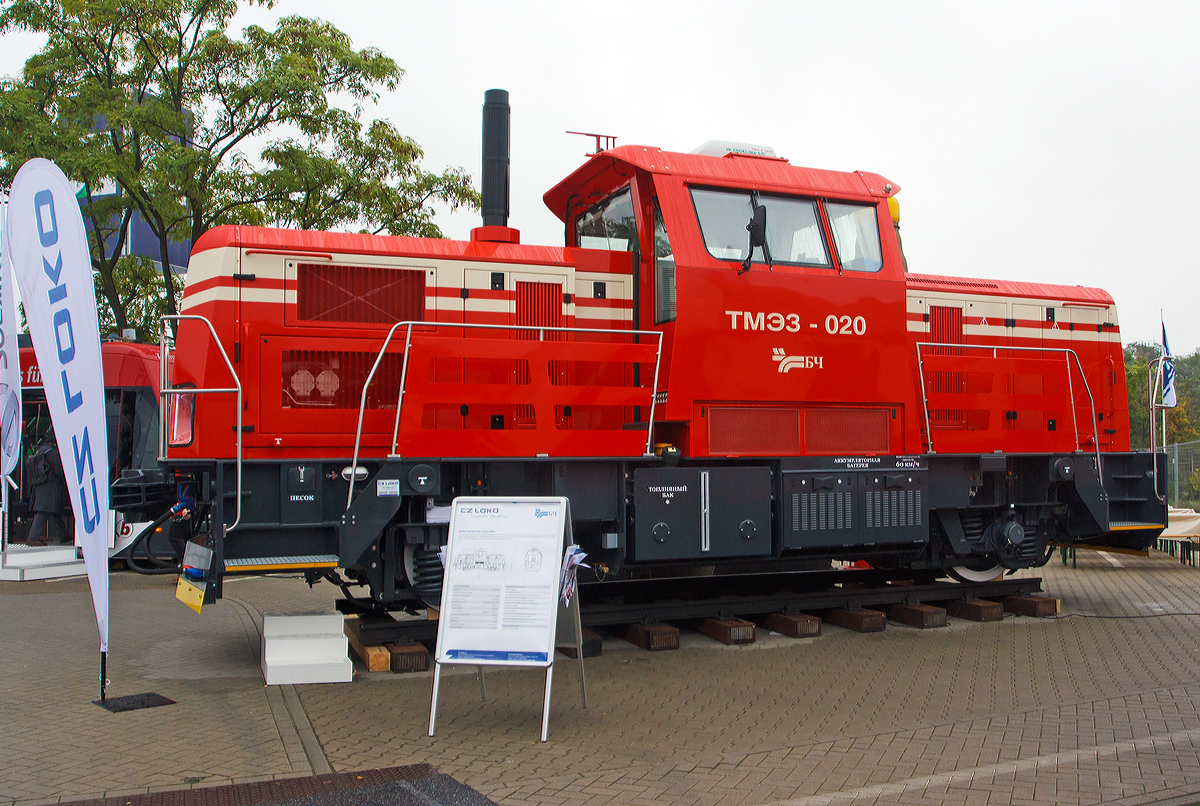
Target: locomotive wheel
(983, 573)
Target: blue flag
(1168, 374)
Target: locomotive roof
(356, 243)
(738, 169)
(1007, 288)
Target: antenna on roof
(610, 140)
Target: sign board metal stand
(501, 590)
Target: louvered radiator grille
(890, 508)
(821, 511)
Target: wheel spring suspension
(972, 524)
(427, 576)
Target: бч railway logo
(789, 362)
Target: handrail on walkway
(1068, 356)
(165, 392)
(540, 330)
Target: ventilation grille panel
(892, 508)
(846, 431)
(753, 431)
(818, 512)
(364, 294)
(333, 379)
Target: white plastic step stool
(20, 563)
(307, 648)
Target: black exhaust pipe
(496, 113)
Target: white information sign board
(500, 589)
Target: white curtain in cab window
(599, 242)
(807, 247)
(856, 232)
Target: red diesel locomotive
(726, 368)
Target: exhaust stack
(494, 182)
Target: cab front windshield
(793, 227)
(794, 233)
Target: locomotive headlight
(302, 383)
(328, 383)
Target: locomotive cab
(797, 346)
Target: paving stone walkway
(1101, 705)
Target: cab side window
(609, 224)
(723, 216)
(856, 235)
(664, 271)
(794, 231)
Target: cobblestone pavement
(1099, 705)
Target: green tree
(156, 98)
(1181, 425)
(1138, 356)
(1191, 488)
(141, 295)
(368, 178)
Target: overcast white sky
(1051, 142)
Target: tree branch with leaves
(194, 128)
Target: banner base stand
(133, 702)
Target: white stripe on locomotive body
(976, 308)
(214, 269)
(199, 299)
(209, 265)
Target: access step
(22, 563)
(308, 648)
(255, 565)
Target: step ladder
(305, 648)
(22, 563)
